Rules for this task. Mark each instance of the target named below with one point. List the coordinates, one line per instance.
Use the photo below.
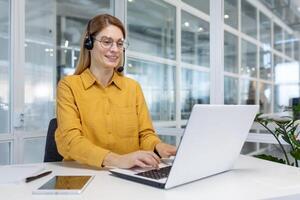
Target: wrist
(156, 151)
(111, 159)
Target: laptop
(211, 143)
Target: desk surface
(251, 178)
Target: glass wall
(231, 17)
(231, 53)
(30, 147)
(231, 88)
(5, 153)
(152, 28)
(194, 40)
(249, 19)
(265, 30)
(202, 5)
(195, 86)
(194, 90)
(265, 64)
(4, 67)
(261, 54)
(152, 34)
(5, 102)
(261, 66)
(249, 54)
(39, 64)
(51, 52)
(158, 89)
(152, 50)
(265, 70)
(278, 37)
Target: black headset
(89, 44)
(89, 40)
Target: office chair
(51, 153)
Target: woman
(102, 116)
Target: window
(278, 37)
(230, 53)
(202, 5)
(231, 13)
(265, 98)
(265, 30)
(265, 69)
(249, 54)
(194, 90)
(194, 40)
(231, 88)
(152, 28)
(4, 67)
(5, 153)
(288, 42)
(158, 84)
(248, 92)
(249, 19)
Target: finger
(172, 152)
(154, 156)
(139, 163)
(165, 154)
(149, 160)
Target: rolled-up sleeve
(71, 143)
(147, 136)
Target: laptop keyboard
(156, 173)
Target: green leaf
(279, 131)
(270, 158)
(286, 139)
(294, 141)
(296, 154)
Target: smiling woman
(100, 111)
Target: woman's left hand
(165, 150)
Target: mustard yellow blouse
(93, 120)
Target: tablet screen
(73, 184)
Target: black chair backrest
(51, 153)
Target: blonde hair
(94, 26)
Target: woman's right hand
(138, 158)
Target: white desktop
(251, 178)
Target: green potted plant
(285, 128)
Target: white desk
(251, 178)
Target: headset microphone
(121, 68)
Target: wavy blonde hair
(95, 25)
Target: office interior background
(182, 52)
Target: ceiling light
(130, 1)
(200, 29)
(187, 24)
(226, 16)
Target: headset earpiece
(89, 40)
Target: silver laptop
(211, 143)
